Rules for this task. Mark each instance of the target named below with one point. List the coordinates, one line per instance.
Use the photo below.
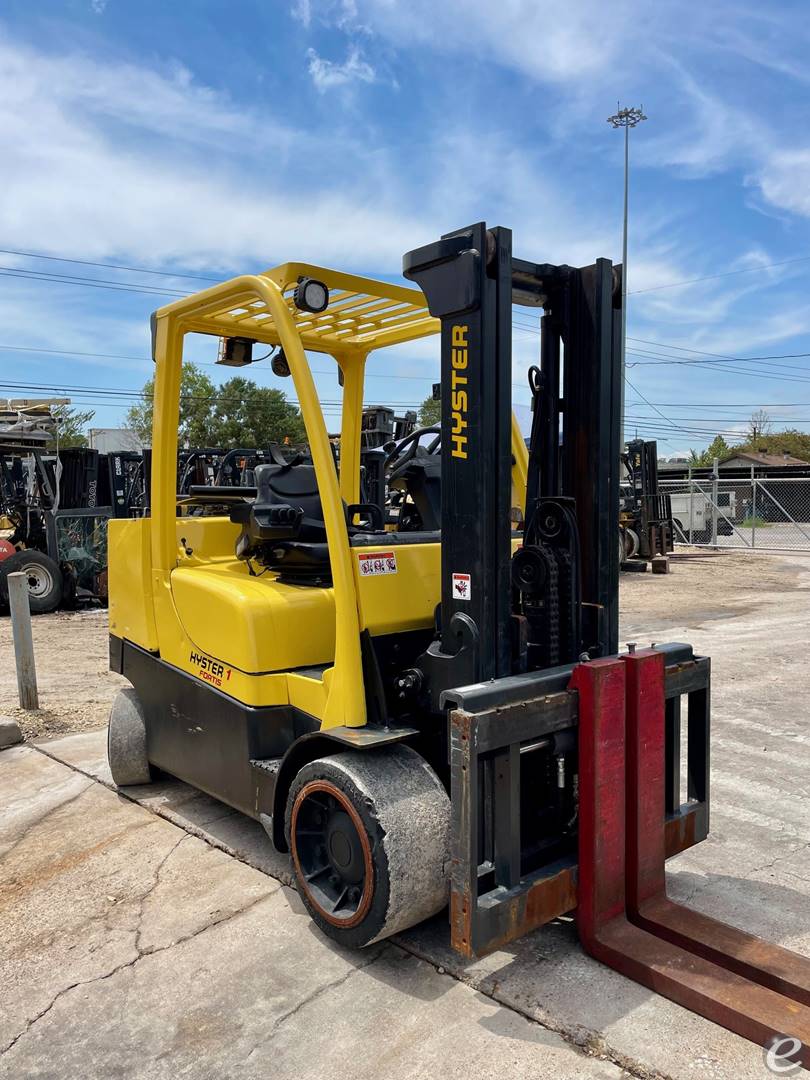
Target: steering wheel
(405, 450)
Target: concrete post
(23, 640)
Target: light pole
(625, 118)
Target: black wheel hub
(330, 855)
(343, 847)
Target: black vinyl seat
(294, 485)
(283, 528)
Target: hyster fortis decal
(209, 669)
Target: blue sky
(209, 138)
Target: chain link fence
(759, 513)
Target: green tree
(718, 448)
(796, 443)
(249, 415)
(430, 412)
(198, 397)
(70, 426)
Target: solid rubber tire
(126, 740)
(406, 813)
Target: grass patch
(756, 523)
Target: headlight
(311, 295)
(280, 366)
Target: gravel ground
(76, 687)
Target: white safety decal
(377, 562)
(462, 586)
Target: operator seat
(296, 485)
(283, 528)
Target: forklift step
(315, 673)
(267, 765)
(621, 867)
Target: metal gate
(760, 513)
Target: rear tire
(45, 584)
(369, 834)
(126, 740)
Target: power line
(637, 391)
(734, 405)
(762, 373)
(198, 363)
(203, 277)
(118, 286)
(717, 356)
(139, 395)
(667, 358)
(712, 277)
(108, 266)
(88, 283)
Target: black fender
(318, 744)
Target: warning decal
(377, 562)
(462, 586)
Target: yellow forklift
(429, 715)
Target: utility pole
(625, 118)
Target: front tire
(369, 834)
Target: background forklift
(645, 514)
(55, 506)
(417, 712)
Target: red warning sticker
(377, 562)
(462, 586)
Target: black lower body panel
(204, 737)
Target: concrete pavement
(155, 937)
(131, 948)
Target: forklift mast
(516, 627)
(498, 619)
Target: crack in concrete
(586, 1041)
(805, 845)
(313, 996)
(141, 955)
(155, 882)
(39, 821)
(174, 818)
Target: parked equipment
(645, 514)
(55, 508)
(416, 712)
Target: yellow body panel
(255, 624)
(404, 600)
(130, 570)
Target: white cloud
(580, 38)
(178, 172)
(784, 180)
(302, 12)
(327, 74)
